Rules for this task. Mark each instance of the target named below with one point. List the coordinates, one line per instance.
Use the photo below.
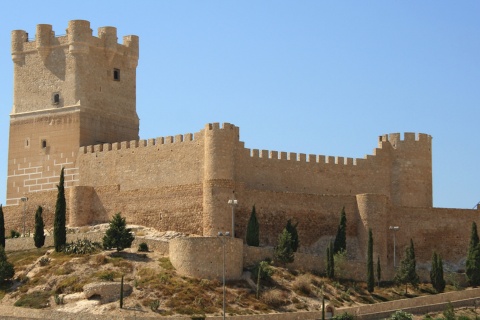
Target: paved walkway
(420, 305)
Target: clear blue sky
(319, 77)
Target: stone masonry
(75, 107)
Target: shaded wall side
(318, 216)
(142, 164)
(444, 230)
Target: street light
(24, 200)
(395, 229)
(233, 202)
(223, 235)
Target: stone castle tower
(74, 107)
(69, 91)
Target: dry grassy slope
(154, 280)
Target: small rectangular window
(116, 74)
(56, 98)
(44, 144)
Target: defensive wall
(75, 107)
(183, 183)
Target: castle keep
(75, 107)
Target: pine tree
(473, 258)
(340, 243)
(59, 230)
(379, 271)
(284, 251)
(436, 273)
(117, 235)
(6, 268)
(407, 272)
(2, 228)
(370, 274)
(253, 230)
(330, 262)
(39, 236)
(292, 229)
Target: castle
(75, 107)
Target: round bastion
(202, 257)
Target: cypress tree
(292, 229)
(39, 236)
(436, 273)
(6, 268)
(284, 251)
(473, 258)
(340, 243)
(2, 228)
(379, 271)
(59, 230)
(330, 262)
(253, 230)
(370, 274)
(117, 235)
(407, 272)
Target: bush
(274, 298)
(84, 246)
(44, 261)
(6, 268)
(35, 300)
(143, 247)
(117, 235)
(401, 315)
(154, 305)
(266, 271)
(14, 234)
(344, 316)
(303, 284)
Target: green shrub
(401, 315)
(143, 247)
(14, 234)
(82, 246)
(344, 316)
(35, 300)
(154, 305)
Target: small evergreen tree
(436, 273)
(2, 228)
(370, 274)
(407, 272)
(340, 243)
(6, 268)
(284, 251)
(473, 258)
(253, 230)
(117, 235)
(59, 230)
(292, 229)
(39, 236)
(330, 262)
(379, 271)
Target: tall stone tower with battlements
(69, 91)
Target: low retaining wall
(202, 257)
(19, 244)
(420, 305)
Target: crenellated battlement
(78, 38)
(395, 139)
(133, 144)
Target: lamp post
(233, 202)
(24, 200)
(394, 229)
(223, 235)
